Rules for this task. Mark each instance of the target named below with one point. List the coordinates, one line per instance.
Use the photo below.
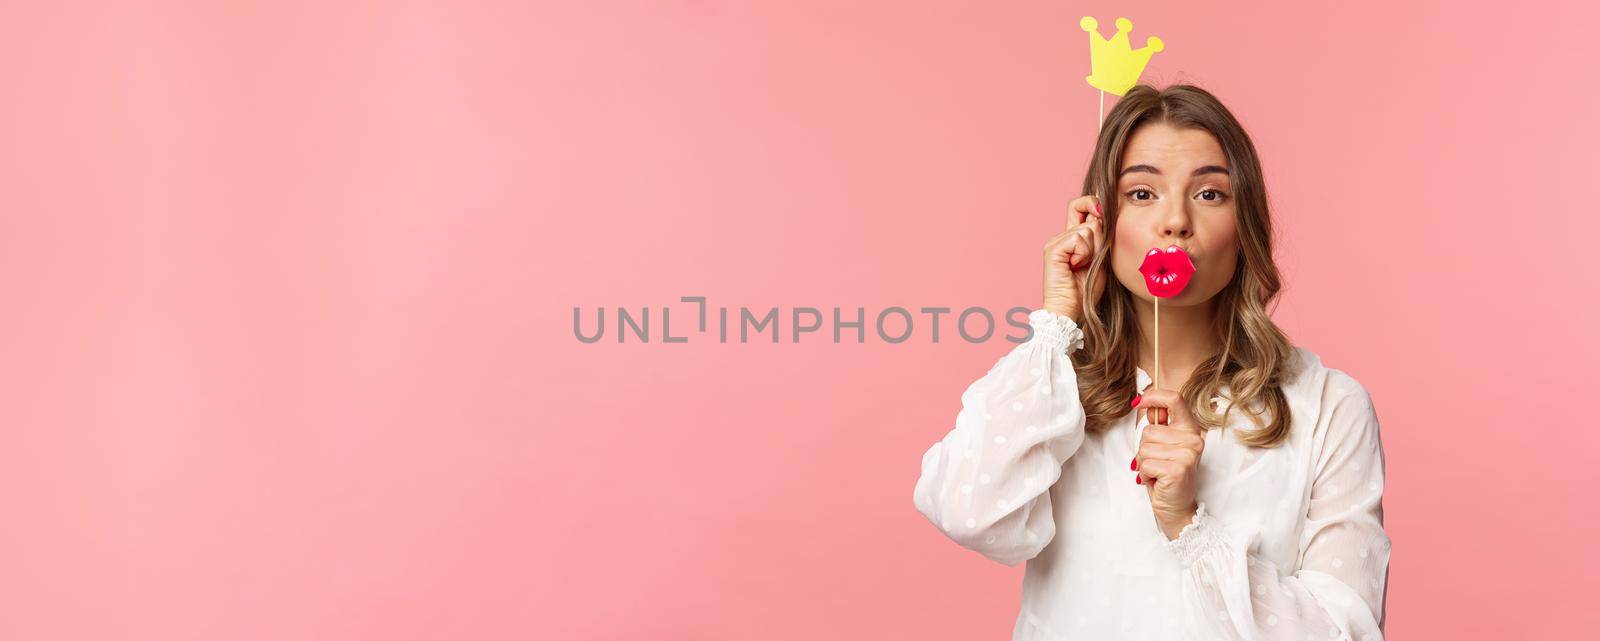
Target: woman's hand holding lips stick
(1067, 257)
(1168, 460)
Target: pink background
(288, 297)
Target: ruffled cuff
(1198, 537)
(1056, 330)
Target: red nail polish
(1139, 479)
(1097, 209)
(1136, 400)
(1135, 464)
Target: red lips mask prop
(1166, 271)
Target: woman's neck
(1187, 339)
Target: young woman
(1243, 498)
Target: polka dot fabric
(1288, 542)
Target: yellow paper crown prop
(1114, 65)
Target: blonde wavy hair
(1255, 353)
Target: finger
(1097, 234)
(1055, 248)
(1167, 436)
(1183, 453)
(1080, 209)
(1151, 451)
(1175, 408)
(1153, 415)
(1082, 248)
(1153, 470)
(1069, 244)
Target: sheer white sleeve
(1338, 590)
(986, 483)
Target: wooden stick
(1157, 382)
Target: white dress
(1288, 542)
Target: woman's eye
(1134, 194)
(1217, 195)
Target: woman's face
(1175, 189)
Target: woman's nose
(1177, 224)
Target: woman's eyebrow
(1150, 169)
